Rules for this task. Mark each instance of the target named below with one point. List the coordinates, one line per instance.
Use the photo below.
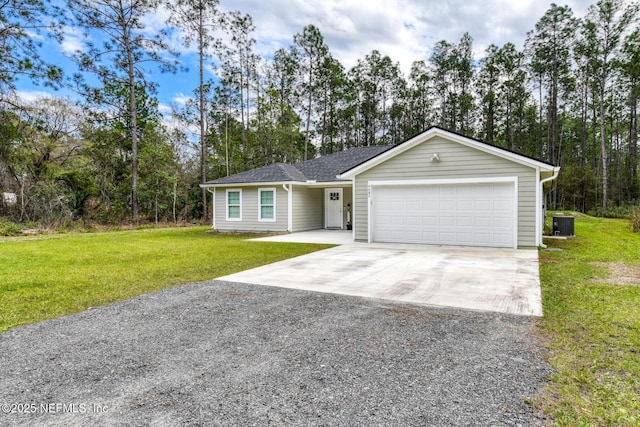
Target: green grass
(593, 327)
(51, 276)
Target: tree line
(570, 98)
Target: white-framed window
(266, 204)
(234, 205)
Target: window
(266, 204)
(234, 205)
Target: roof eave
(245, 184)
(274, 183)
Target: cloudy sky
(405, 30)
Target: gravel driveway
(217, 353)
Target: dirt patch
(619, 273)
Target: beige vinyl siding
(456, 161)
(308, 208)
(250, 207)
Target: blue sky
(405, 30)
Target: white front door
(333, 207)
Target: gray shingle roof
(325, 168)
(320, 169)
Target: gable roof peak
(434, 131)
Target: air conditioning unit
(563, 226)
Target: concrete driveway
(496, 280)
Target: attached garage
(441, 188)
(459, 213)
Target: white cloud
(164, 108)
(73, 41)
(154, 22)
(34, 35)
(181, 99)
(32, 95)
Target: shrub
(8, 228)
(615, 212)
(635, 219)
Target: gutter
(289, 206)
(556, 171)
(213, 206)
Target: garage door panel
(429, 221)
(503, 240)
(450, 214)
(467, 191)
(464, 221)
(446, 207)
(465, 239)
(483, 221)
(447, 238)
(503, 205)
(468, 205)
(414, 221)
(501, 222)
(413, 205)
(483, 205)
(484, 239)
(447, 220)
(501, 190)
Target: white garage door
(480, 214)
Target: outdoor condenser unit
(563, 226)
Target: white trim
(235, 190)
(453, 181)
(445, 181)
(260, 190)
(436, 132)
(326, 205)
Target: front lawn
(591, 300)
(50, 276)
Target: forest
(108, 155)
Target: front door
(333, 207)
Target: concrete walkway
(497, 280)
(331, 237)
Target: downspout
(213, 207)
(289, 191)
(556, 171)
